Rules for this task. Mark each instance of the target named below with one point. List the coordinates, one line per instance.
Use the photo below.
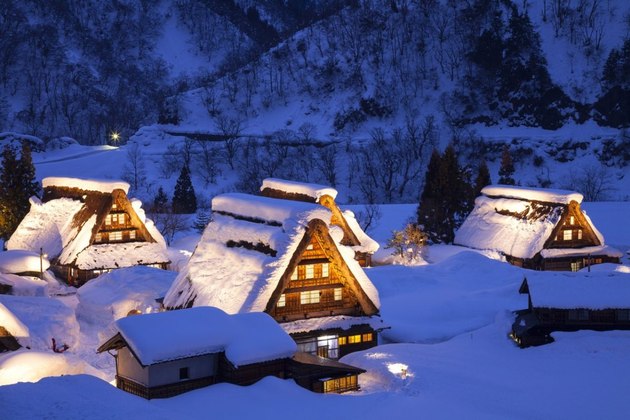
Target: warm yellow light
(115, 136)
(399, 369)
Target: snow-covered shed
(569, 302)
(353, 235)
(87, 227)
(285, 258)
(535, 228)
(203, 346)
(13, 333)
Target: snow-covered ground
(445, 354)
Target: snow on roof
(239, 280)
(270, 210)
(47, 226)
(100, 185)
(532, 194)
(485, 228)
(588, 250)
(119, 255)
(12, 324)
(312, 190)
(245, 338)
(594, 290)
(344, 322)
(367, 244)
(22, 261)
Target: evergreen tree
(202, 220)
(507, 168)
(160, 201)
(17, 185)
(446, 198)
(483, 179)
(184, 199)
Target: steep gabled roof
(160, 337)
(247, 248)
(65, 224)
(519, 221)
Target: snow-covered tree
(408, 243)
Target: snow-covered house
(87, 227)
(205, 345)
(12, 331)
(285, 258)
(535, 228)
(570, 302)
(353, 235)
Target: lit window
(312, 296)
(282, 301)
(579, 232)
(337, 293)
(310, 271)
(567, 235)
(353, 339)
(309, 247)
(98, 237)
(132, 234)
(575, 266)
(114, 219)
(294, 276)
(108, 219)
(346, 383)
(325, 270)
(115, 236)
(572, 220)
(114, 206)
(367, 337)
(342, 341)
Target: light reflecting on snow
(623, 269)
(399, 369)
(378, 355)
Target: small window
(115, 236)
(342, 341)
(367, 337)
(353, 339)
(108, 219)
(576, 266)
(114, 219)
(132, 234)
(309, 247)
(567, 235)
(183, 373)
(114, 206)
(282, 302)
(572, 220)
(98, 237)
(309, 271)
(579, 233)
(294, 276)
(325, 270)
(312, 296)
(338, 295)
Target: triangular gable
(318, 230)
(582, 232)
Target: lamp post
(41, 263)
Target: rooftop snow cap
(245, 338)
(532, 194)
(312, 190)
(100, 185)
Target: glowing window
(338, 295)
(342, 341)
(294, 276)
(309, 271)
(309, 247)
(132, 234)
(114, 218)
(312, 296)
(282, 301)
(572, 220)
(108, 219)
(567, 235)
(98, 237)
(115, 236)
(325, 270)
(579, 232)
(367, 337)
(353, 339)
(114, 206)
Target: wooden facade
(116, 222)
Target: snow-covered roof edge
(533, 194)
(13, 325)
(100, 185)
(312, 190)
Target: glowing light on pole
(115, 136)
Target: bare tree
(170, 162)
(134, 171)
(307, 132)
(326, 163)
(230, 127)
(169, 224)
(207, 162)
(593, 182)
(369, 216)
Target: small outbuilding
(205, 346)
(535, 228)
(12, 331)
(88, 227)
(569, 302)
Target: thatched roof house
(570, 302)
(535, 228)
(204, 346)
(87, 227)
(285, 258)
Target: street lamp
(115, 136)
